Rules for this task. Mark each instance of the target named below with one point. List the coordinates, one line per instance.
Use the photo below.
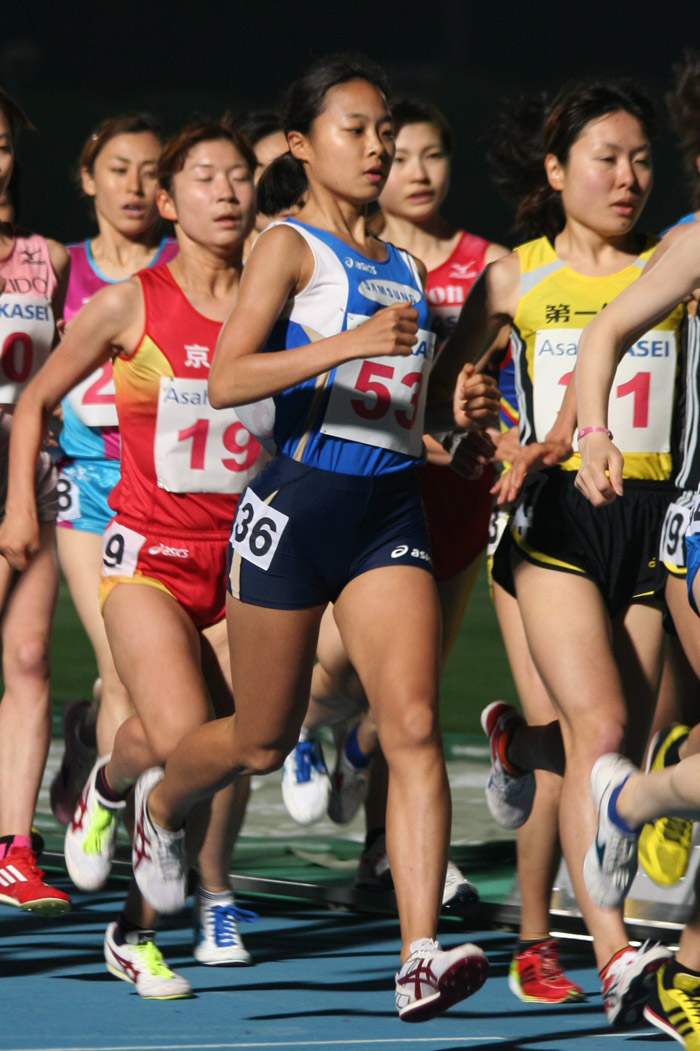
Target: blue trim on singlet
(294, 405)
(689, 218)
(115, 280)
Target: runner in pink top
(33, 276)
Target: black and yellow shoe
(664, 846)
(674, 1005)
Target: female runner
(577, 577)
(118, 172)
(335, 517)
(457, 508)
(33, 277)
(164, 552)
(625, 798)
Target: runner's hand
(600, 475)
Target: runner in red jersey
(164, 553)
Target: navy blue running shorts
(300, 534)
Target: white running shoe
(610, 863)
(348, 783)
(91, 835)
(306, 786)
(158, 856)
(431, 980)
(509, 797)
(139, 960)
(459, 894)
(630, 980)
(217, 940)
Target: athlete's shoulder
(534, 253)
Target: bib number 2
(257, 530)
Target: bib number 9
(120, 550)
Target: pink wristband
(589, 430)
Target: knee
(598, 733)
(29, 659)
(416, 726)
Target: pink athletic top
(27, 326)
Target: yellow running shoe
(674, 1006)
(664, 846)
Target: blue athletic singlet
(366, 415)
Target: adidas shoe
(139, 960)
(158, 856)
(674, 1006)
(431, 980)
(509, 793)
(217, 940)
(664, 845)
(78, 760)
(536, 976)
(306, 787)
(459, 894)
(610, 863)
(22, 885)
(348, 785)
(629, 979)
(91, 835)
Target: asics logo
(169, 552)
(9, 875)
(413, 552)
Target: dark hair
(533, 127)
(257, 124)
(420, 111)
(305, 100)
(123, 124)
(16, 117)
(174, 153)
(281, 185)
(684, 109)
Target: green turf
(476, 673)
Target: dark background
(71, 64)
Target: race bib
(26, 336)
(497, 526)
(93, 402)
(120, 550)
(257, 530)
(676, 523)
(68, 499)
(199, 449)
(641, 398)
(381, 401)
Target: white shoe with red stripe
(432, 979)
(158, 856)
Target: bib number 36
(257, 530)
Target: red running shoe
(22, 885)
(78, 760)
(536, 976)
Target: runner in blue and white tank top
(334, 324)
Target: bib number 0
(257, 530)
